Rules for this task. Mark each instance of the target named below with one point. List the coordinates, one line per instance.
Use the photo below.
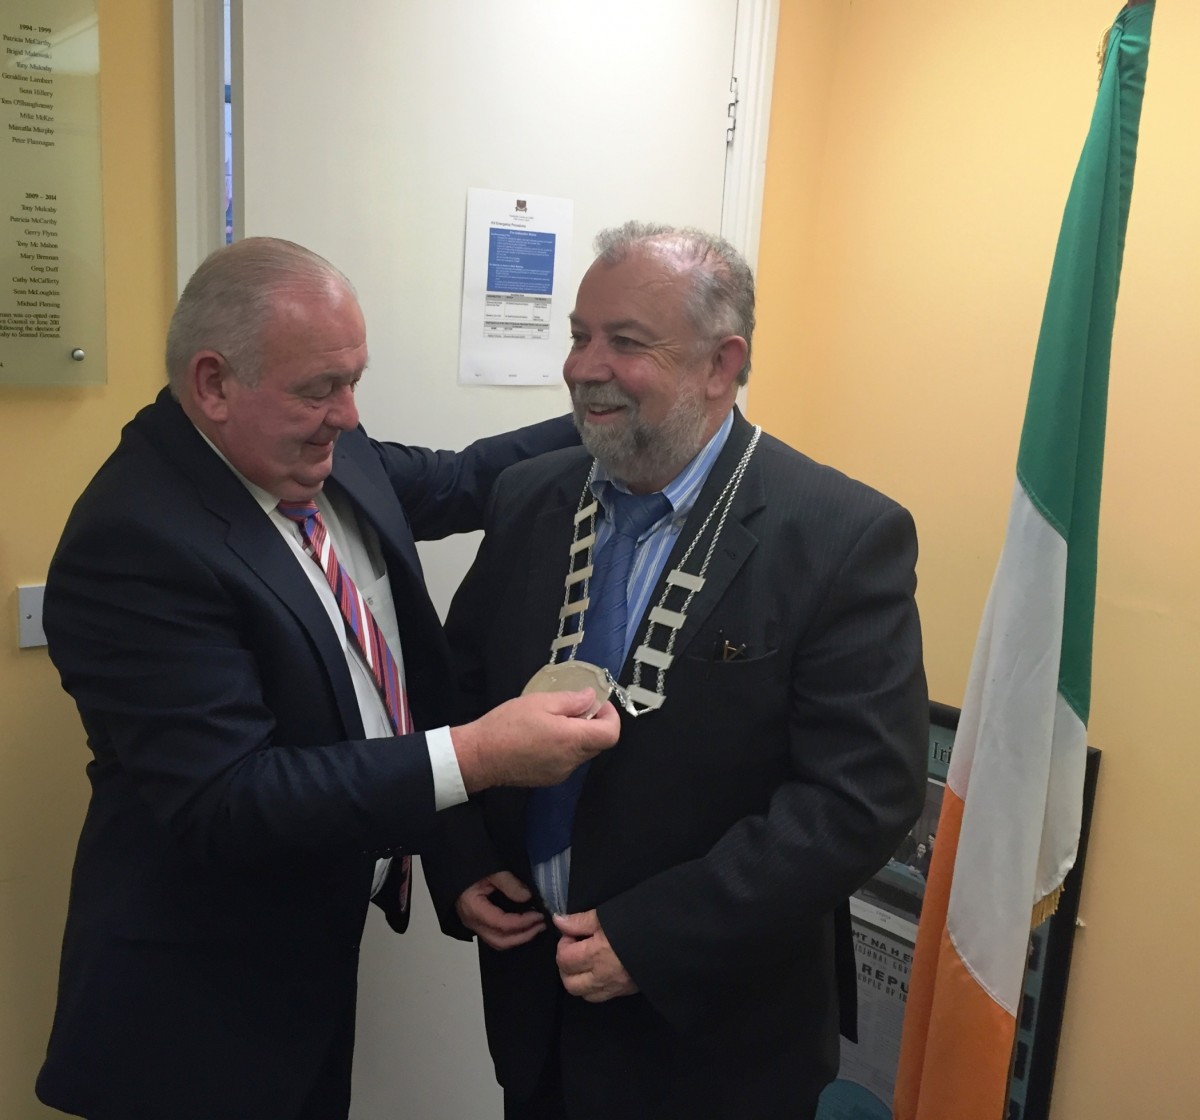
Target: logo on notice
(522, 207)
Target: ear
(727, 362)
(209, 377)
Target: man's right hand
(495, 926)
(534, 740)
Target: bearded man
(666, 933)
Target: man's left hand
(586, 962)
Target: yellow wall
(919, 158)
(53, 441)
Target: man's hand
(534, 740)
(495, 927)
(586, 962)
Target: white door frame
(199, 50)
(746, 168)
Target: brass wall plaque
(52, 328)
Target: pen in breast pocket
(725, 650)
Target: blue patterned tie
(551, 811)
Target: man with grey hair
(665, 935)
(237, 608)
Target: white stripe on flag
(1011, 711)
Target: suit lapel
(380, 507)
(733, 548)
(254, 540)
(382, 510)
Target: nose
(586, 363)
(343, 411)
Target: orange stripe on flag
(925, 964)
(948, 1013)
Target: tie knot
(298, 511)
(633, 514)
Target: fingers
(534, 740)
(574, 703)
(606, 724)
(512, 930)
(584, 924)
(510, 886)
(588, 966)
(574, 957)
(493, 926)
(596, 734)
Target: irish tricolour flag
(1009, 827)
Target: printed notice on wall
(515, 289)
(52, 318)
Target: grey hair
(229, 300)
(721, 299)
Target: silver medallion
(572, 676)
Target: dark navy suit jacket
(224, 867)
(720, 839)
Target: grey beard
(639, 452)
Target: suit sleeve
(446, 492)
(857, 742)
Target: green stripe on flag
(1062, 443)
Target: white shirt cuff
(448, 788)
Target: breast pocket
(729, 728)
(741, 674)
(729, 700)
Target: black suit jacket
(224, 867)
(722, 836)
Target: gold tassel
(1045, 907)
(1101, 51)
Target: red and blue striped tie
(360, 623)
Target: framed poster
(885, 914)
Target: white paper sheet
(515, 289)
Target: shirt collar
(264, 499)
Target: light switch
(29, 609)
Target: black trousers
(329, 1096)
(547, 1101)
